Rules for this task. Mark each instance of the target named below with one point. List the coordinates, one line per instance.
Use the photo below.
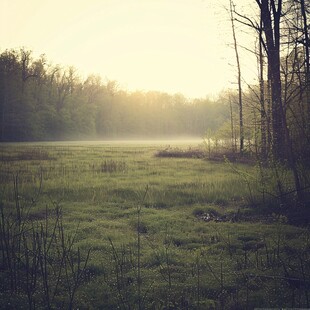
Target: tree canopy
(41, 101)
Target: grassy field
(113, 226)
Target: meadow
(112, 225)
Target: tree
(307, 50)
(241, 129)
(271, 12)
(264, 123)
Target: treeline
(277, 109)
(41, 101)
(273, 119)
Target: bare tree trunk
(4, 104)
(233, 146)
(307, 58)
(269, 114)
(239, 79)
(306, 33)
(263, 118)
(271, 15)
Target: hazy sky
(166, 45)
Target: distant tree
(63, 88)
(39, 100)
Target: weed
(194, 241)
(42, 266)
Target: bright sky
(166, 45)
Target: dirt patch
(239, 216)
(214, 217)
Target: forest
(41, 101)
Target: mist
(53, 103)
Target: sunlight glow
(172, 46)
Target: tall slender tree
(307, 54)
(263, 112)
(241, 129)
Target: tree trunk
(271, 26)
(233, 145)
(4, 105)
(263, 118)
(239, 79)
(307, 58)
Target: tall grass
(153, 251)
(42, 268)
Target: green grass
(244, 261)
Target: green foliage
(45, 102)
(192, 240)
